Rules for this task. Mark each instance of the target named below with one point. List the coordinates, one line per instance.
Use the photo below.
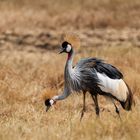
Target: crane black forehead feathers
(47, 102)
(64, 44)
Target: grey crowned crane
(96, 77)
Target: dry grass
(26, 76)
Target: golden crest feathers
(48, 93)
(73, 39)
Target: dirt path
(50, 40)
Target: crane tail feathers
(127, 105)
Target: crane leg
(84, 105)
(94, 97)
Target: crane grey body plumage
(96, 77)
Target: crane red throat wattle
(69, 55)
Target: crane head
(66, 47)
(49, 103)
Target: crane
(95, 76)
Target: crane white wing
(116, 87)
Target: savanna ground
(31, 69)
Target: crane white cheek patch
(68, 49)
(51, 102)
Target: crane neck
(68, 70)
(70, 59)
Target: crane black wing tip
(127, 105)
(109, 70)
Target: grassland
(31, 69)
(26, 78)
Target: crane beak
(47, 108)
(62, 50)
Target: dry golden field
(31, 68)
